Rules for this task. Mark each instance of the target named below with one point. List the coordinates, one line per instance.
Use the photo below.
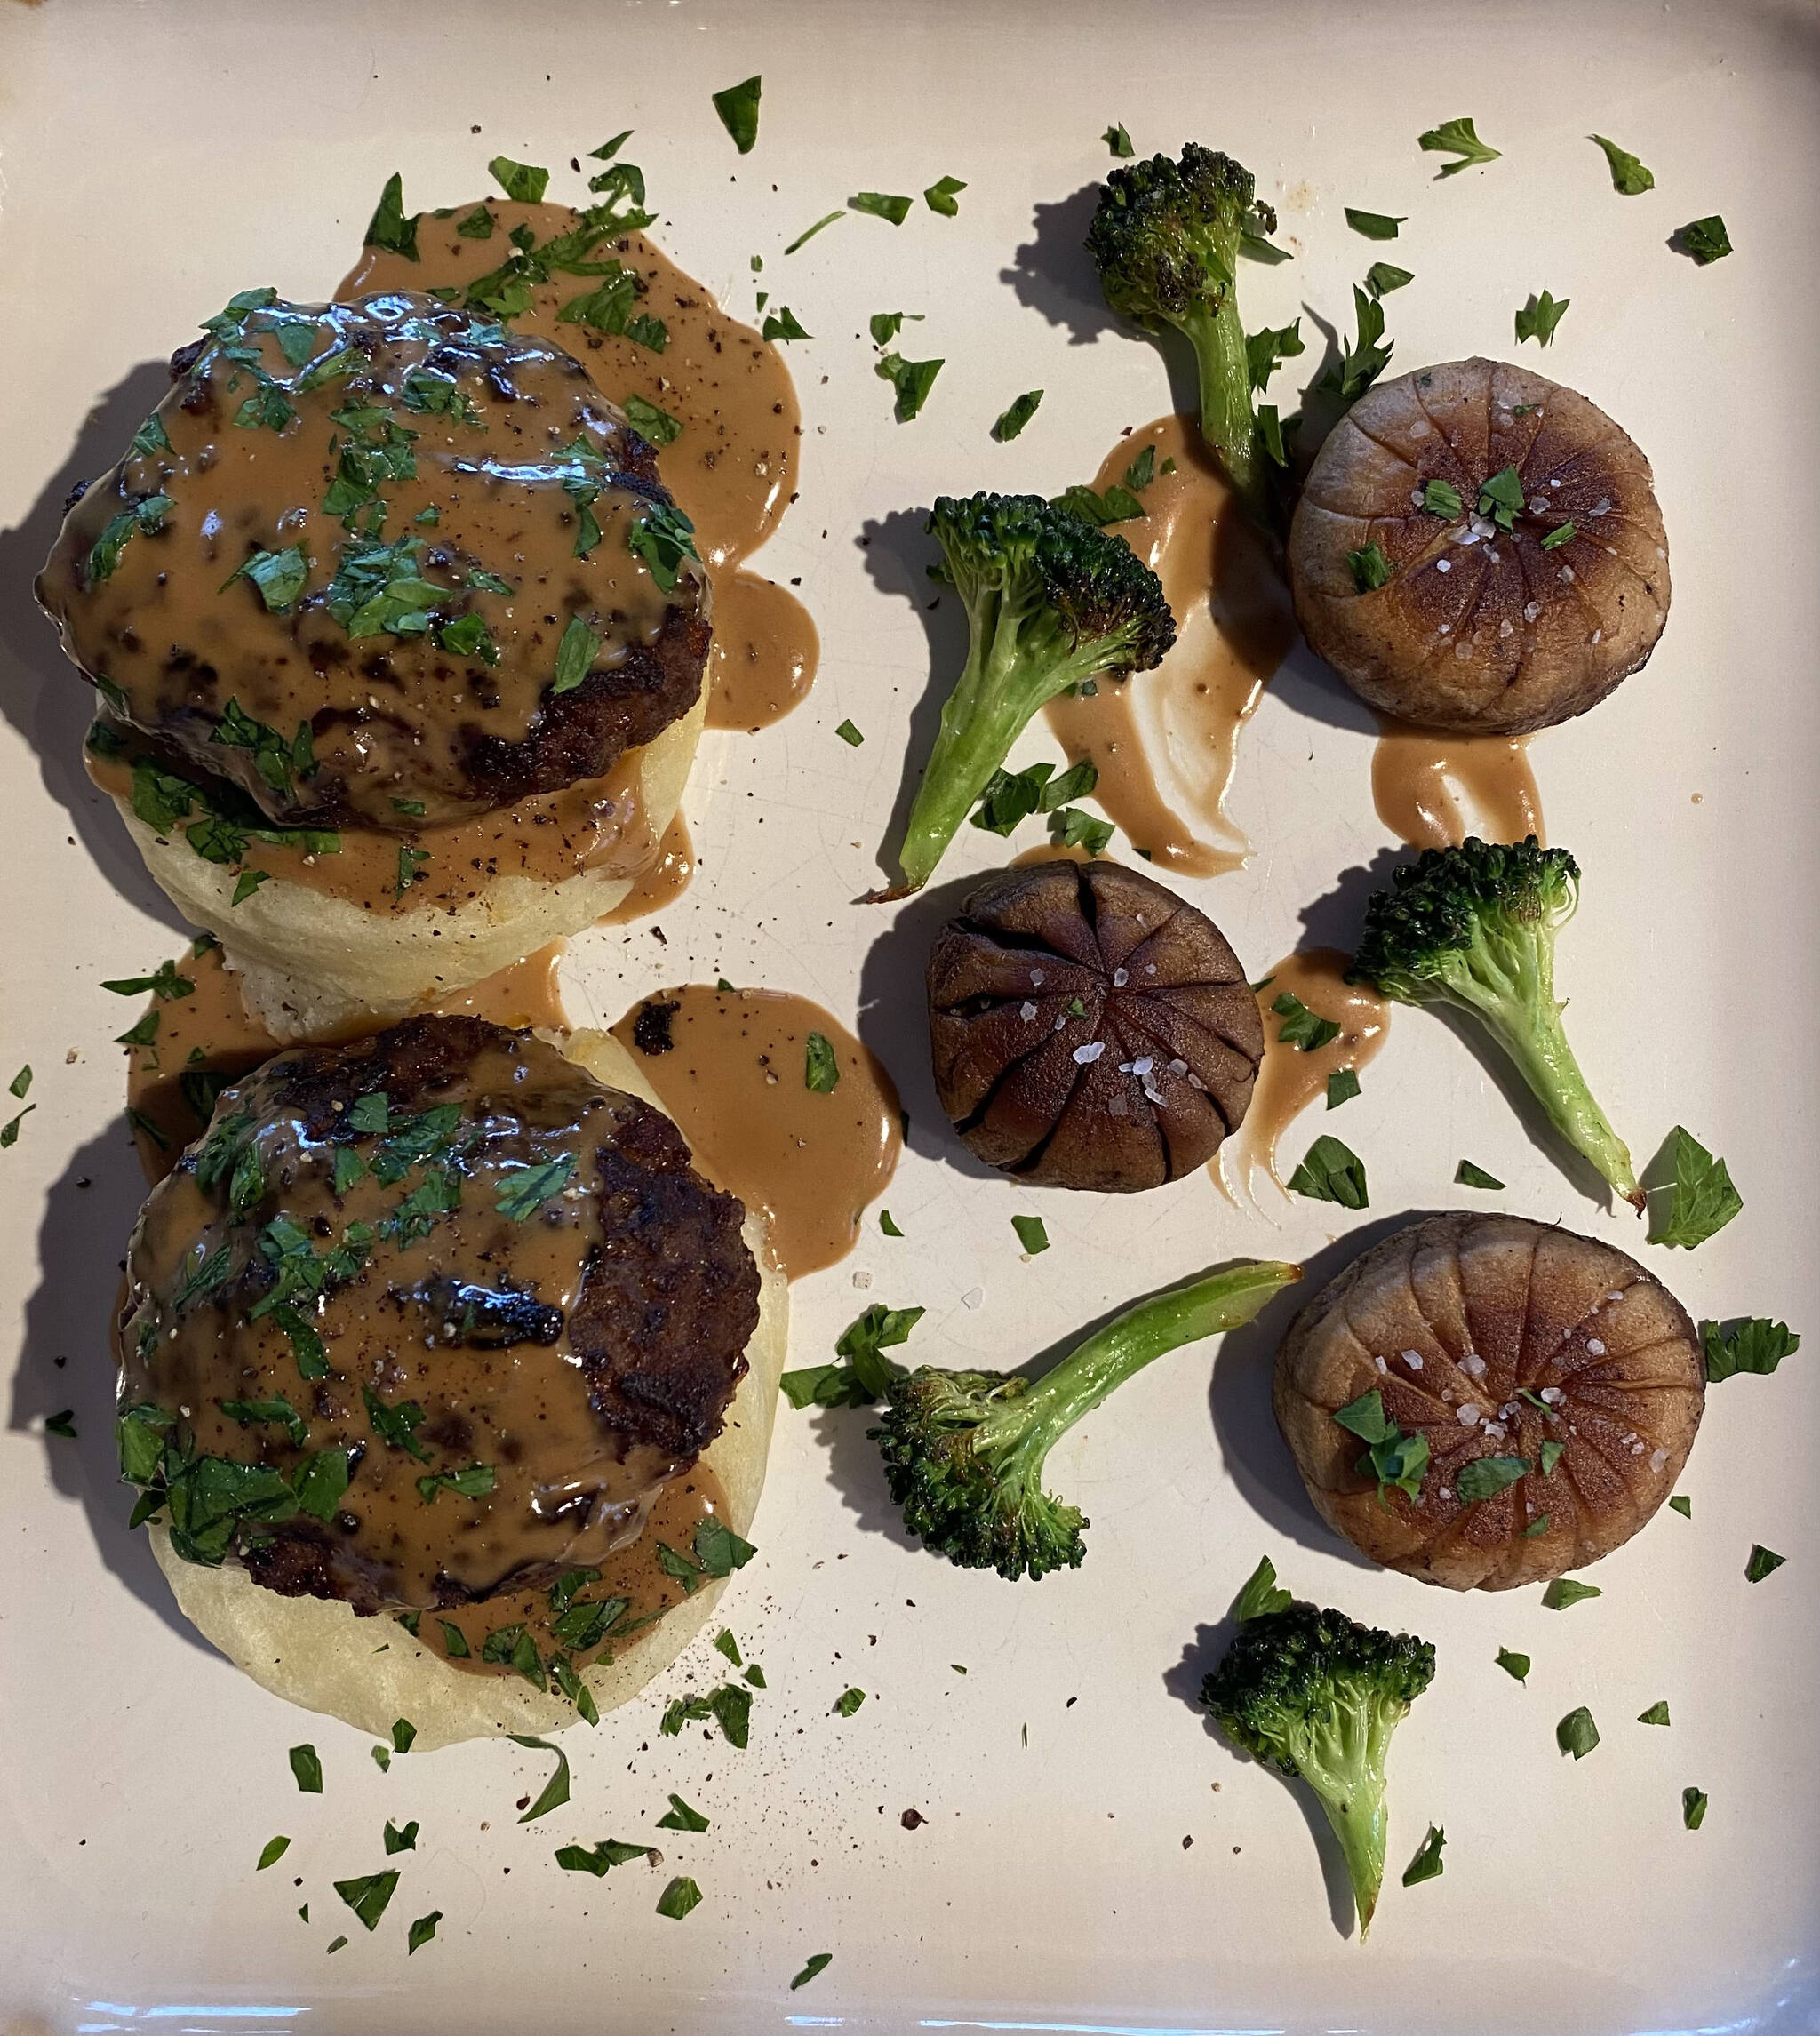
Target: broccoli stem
(1361, 1823)
(1000, 689)
(1026, 1426)
(1228, 423)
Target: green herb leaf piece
(1118, 140)
(1301, 1027)
(1031, 1233)
(8, 1131)
(1576, 1733)
(1486, 1476)
(1706, 239)
(820, 1961)
(1384, 276)
(912, 379)
(1682, 1504)
(523, 182)
(821, 1067)
(849, 735)
(526, 1189)
(404, 1735)
(678, 1898)
(1012, 421)
(20, 1084)
(1563, 533)
(275, 1850)
(600, 1859)
(718, 1550)
(849, 1701)
(1501, 498)
(880, 206)
(940, 196)
(1332, 1172)
(1264, 352)
(1755, 1346)
(1365, 1417)
(1370, 568)
(1341, 1086)
(398, 1840)
(1763, 1562)
(1628, 175)
(1514, 1664)
(651, 422)
(1442, 499)
(320, 1481)
(827, 220)
(662, 537)
(727, 1645)
(1657, 1714)
(1537, 319)
(279, 576)
(389, 227)
(1693, 1807)
(1456, 137)
(1552, 1454)
(738, 108)
(1374, 226)
(61, 1423)
(1703, 1200)
(1427, 1864)
(1072, 828)
(682, 1818)
(887, 1225)
(368, 1896)
(1262, 1593)
(1565, 1591)
(335, 1944)
(555, 1791)
(575, 654)
(474, 1482)
(421, 1931)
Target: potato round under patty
(1495, 1338)
(1491, 620)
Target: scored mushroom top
(1089, 1029)
(1503, 611)
(1500, 1341)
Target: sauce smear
(662, 881)
(733, 1076)
(1410, 772)
(1165, 742)
(732, 467)
(1290, 1078)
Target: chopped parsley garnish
(1576, 1733)
(1117, 506)
(1681, 1504)
(143, 1031)
(662, 537)
(165, 984)
(524, 182)
(600, 1859)
(1031, 1233)
(9, 1130)
(1763, 1562)
(1370, 568)
(849, 735)
(656, 425)
(1396, 1460)
(61, 1423)
(368, 1896)
(1012, 797)
(1427, 1864)
(574, 654)
(1565, 1591)
(1694, 1803)
(410, 868)
(1486, 1476)
(1467, 1175)
(821, 1069)
(912, 379)
(555, 1791)
(143, 518)
(274, 1850)
(1628, 175)
(478, 225)
(1384, 276)
(1706, 239)
(1703, 1199)
(1552, 1454)
(279, 761)
(887, 1225)
(820, 1961)
(454, 1641)
(1657, 1714)
(321, 1480)
(1118, 139)
(885, 325)
(940, 196)
(396, 1427)
(468, 636)
(1756, 1345)
(1514, 1664)
(681, 1818)
(1265, 351)
(1332, 1172)
(880, 206)
(1501, 498)
(1262, 1593)
(678, 1898)
(866, 1372)
(1456, 137)
(525, 1190)
(308, 1770)
(1301, 1027)
(849, 1701)
(150, 437)
(253, 1413)
(21, 1083)
(421, 1931)
(1537, 319)
(389, 227)
(1341, 1086)
(727, 1645)
(1374, 226)
(398, 1840)
(1367, 357)
(1075, 828)
(809, 233)
(1012, 421)
(1442, 499)
(474, 1482)
(738, 108)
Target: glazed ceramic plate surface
(1091, 1857)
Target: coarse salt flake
(1086, 1055)
(1474, 1363)
(1595, 1348)
(1036, 978)
(1178, 1067)
(1531, 609)
(1413, 1359)
(1026, 1010)
(1467, 1415)
(1657, 1459)
(1443, 565)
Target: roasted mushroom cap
(1496, 626)
(1089, 1029)
(1494, 1339)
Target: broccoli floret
(1474, 926)
(1165, 241)
(1314, 1694)
(1051, 601)
(964, 1450)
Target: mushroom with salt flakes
(1479, 548)
(1526, 1399)
(1089, 1028)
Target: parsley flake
(738, 108)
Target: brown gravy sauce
(733, 467)
(1178, 726)
(1414, 770)
(662, 880)
(733, 1078)
(1290, 1079)
(1049, 851)
(210, 1033)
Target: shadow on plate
(41, 692)
(68, 1358)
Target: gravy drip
(1414, 770)
(1165, 742)
(662, 881)
(732, 467)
